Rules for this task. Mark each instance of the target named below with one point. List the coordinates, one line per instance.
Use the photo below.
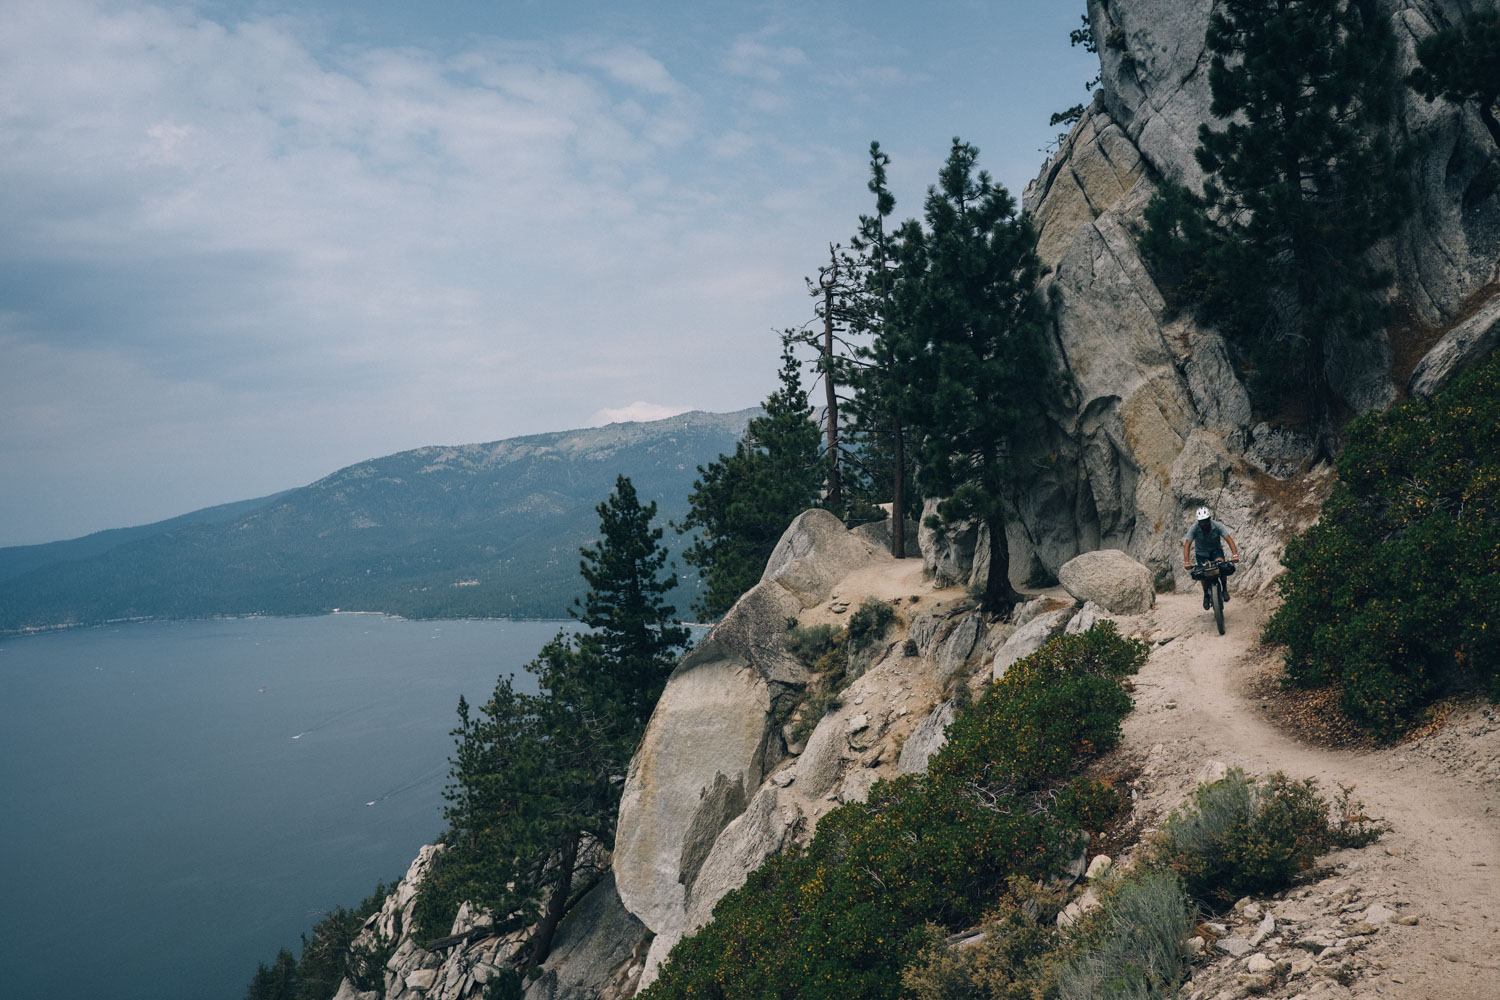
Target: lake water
(180, 800)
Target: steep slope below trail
(1440, 860)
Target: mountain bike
(1216, 585)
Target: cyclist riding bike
(1203, 542)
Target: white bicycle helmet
(1203, 514)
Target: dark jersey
(1207, 543)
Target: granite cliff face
(1160, 422)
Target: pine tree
(633, 638)
(980, 373)
(882, 368)
(1302, 181)
(275, 982)
(742, 503)
(1462, 64)
(535, 779)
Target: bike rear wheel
(1218, 599)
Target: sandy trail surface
(1440, 860)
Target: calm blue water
(180, 800)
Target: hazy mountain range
(472, 530)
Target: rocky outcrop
(692, 822)
(815, 553)
(948, 550)
(1466, 344)
(1110, 579)
(1159, 421)
(927, 739)
(597, 951)
(594, 950)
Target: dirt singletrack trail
(1440, 860)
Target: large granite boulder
(927, 739)
(713, 736)
(763, 829)
(710, 741)
(878, 534)
(1110, 579)
(948, 550)
(815, 553)
(819, 765)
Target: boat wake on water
(407, 786)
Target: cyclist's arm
(1234, 550)
(1187, 562)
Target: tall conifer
(742, 503)
(536, 778)
(980, 374)
(883, 402)
(1302, 181)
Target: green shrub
(1241, 836)
(818, 647)
(836, 656)
(1051, 708)
(1019, 940)
(1391, 594)
(1131, 946)
(840, 918)
(867, 626)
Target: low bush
(1132, 946)
(1062, 702)
(867, 626)
(1241, 836)
(1019, 940)
(840, 918)
(1391, 594)
(818, 647)
(836, 655)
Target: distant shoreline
(32, 630)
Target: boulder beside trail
(949, 551)
(815, 552)
(1110, 579)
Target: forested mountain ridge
(17, 560)
(481, 529)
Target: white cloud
(302, 243)
(751, 57)
(637, 411)
(634, 68)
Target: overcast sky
(244, 244)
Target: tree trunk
(557, 904)
(835, 486)
(898, 493)
(1320, 424)
(999, 595)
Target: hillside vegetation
(487, 530)
(1392, 594)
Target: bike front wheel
(1218, 599)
